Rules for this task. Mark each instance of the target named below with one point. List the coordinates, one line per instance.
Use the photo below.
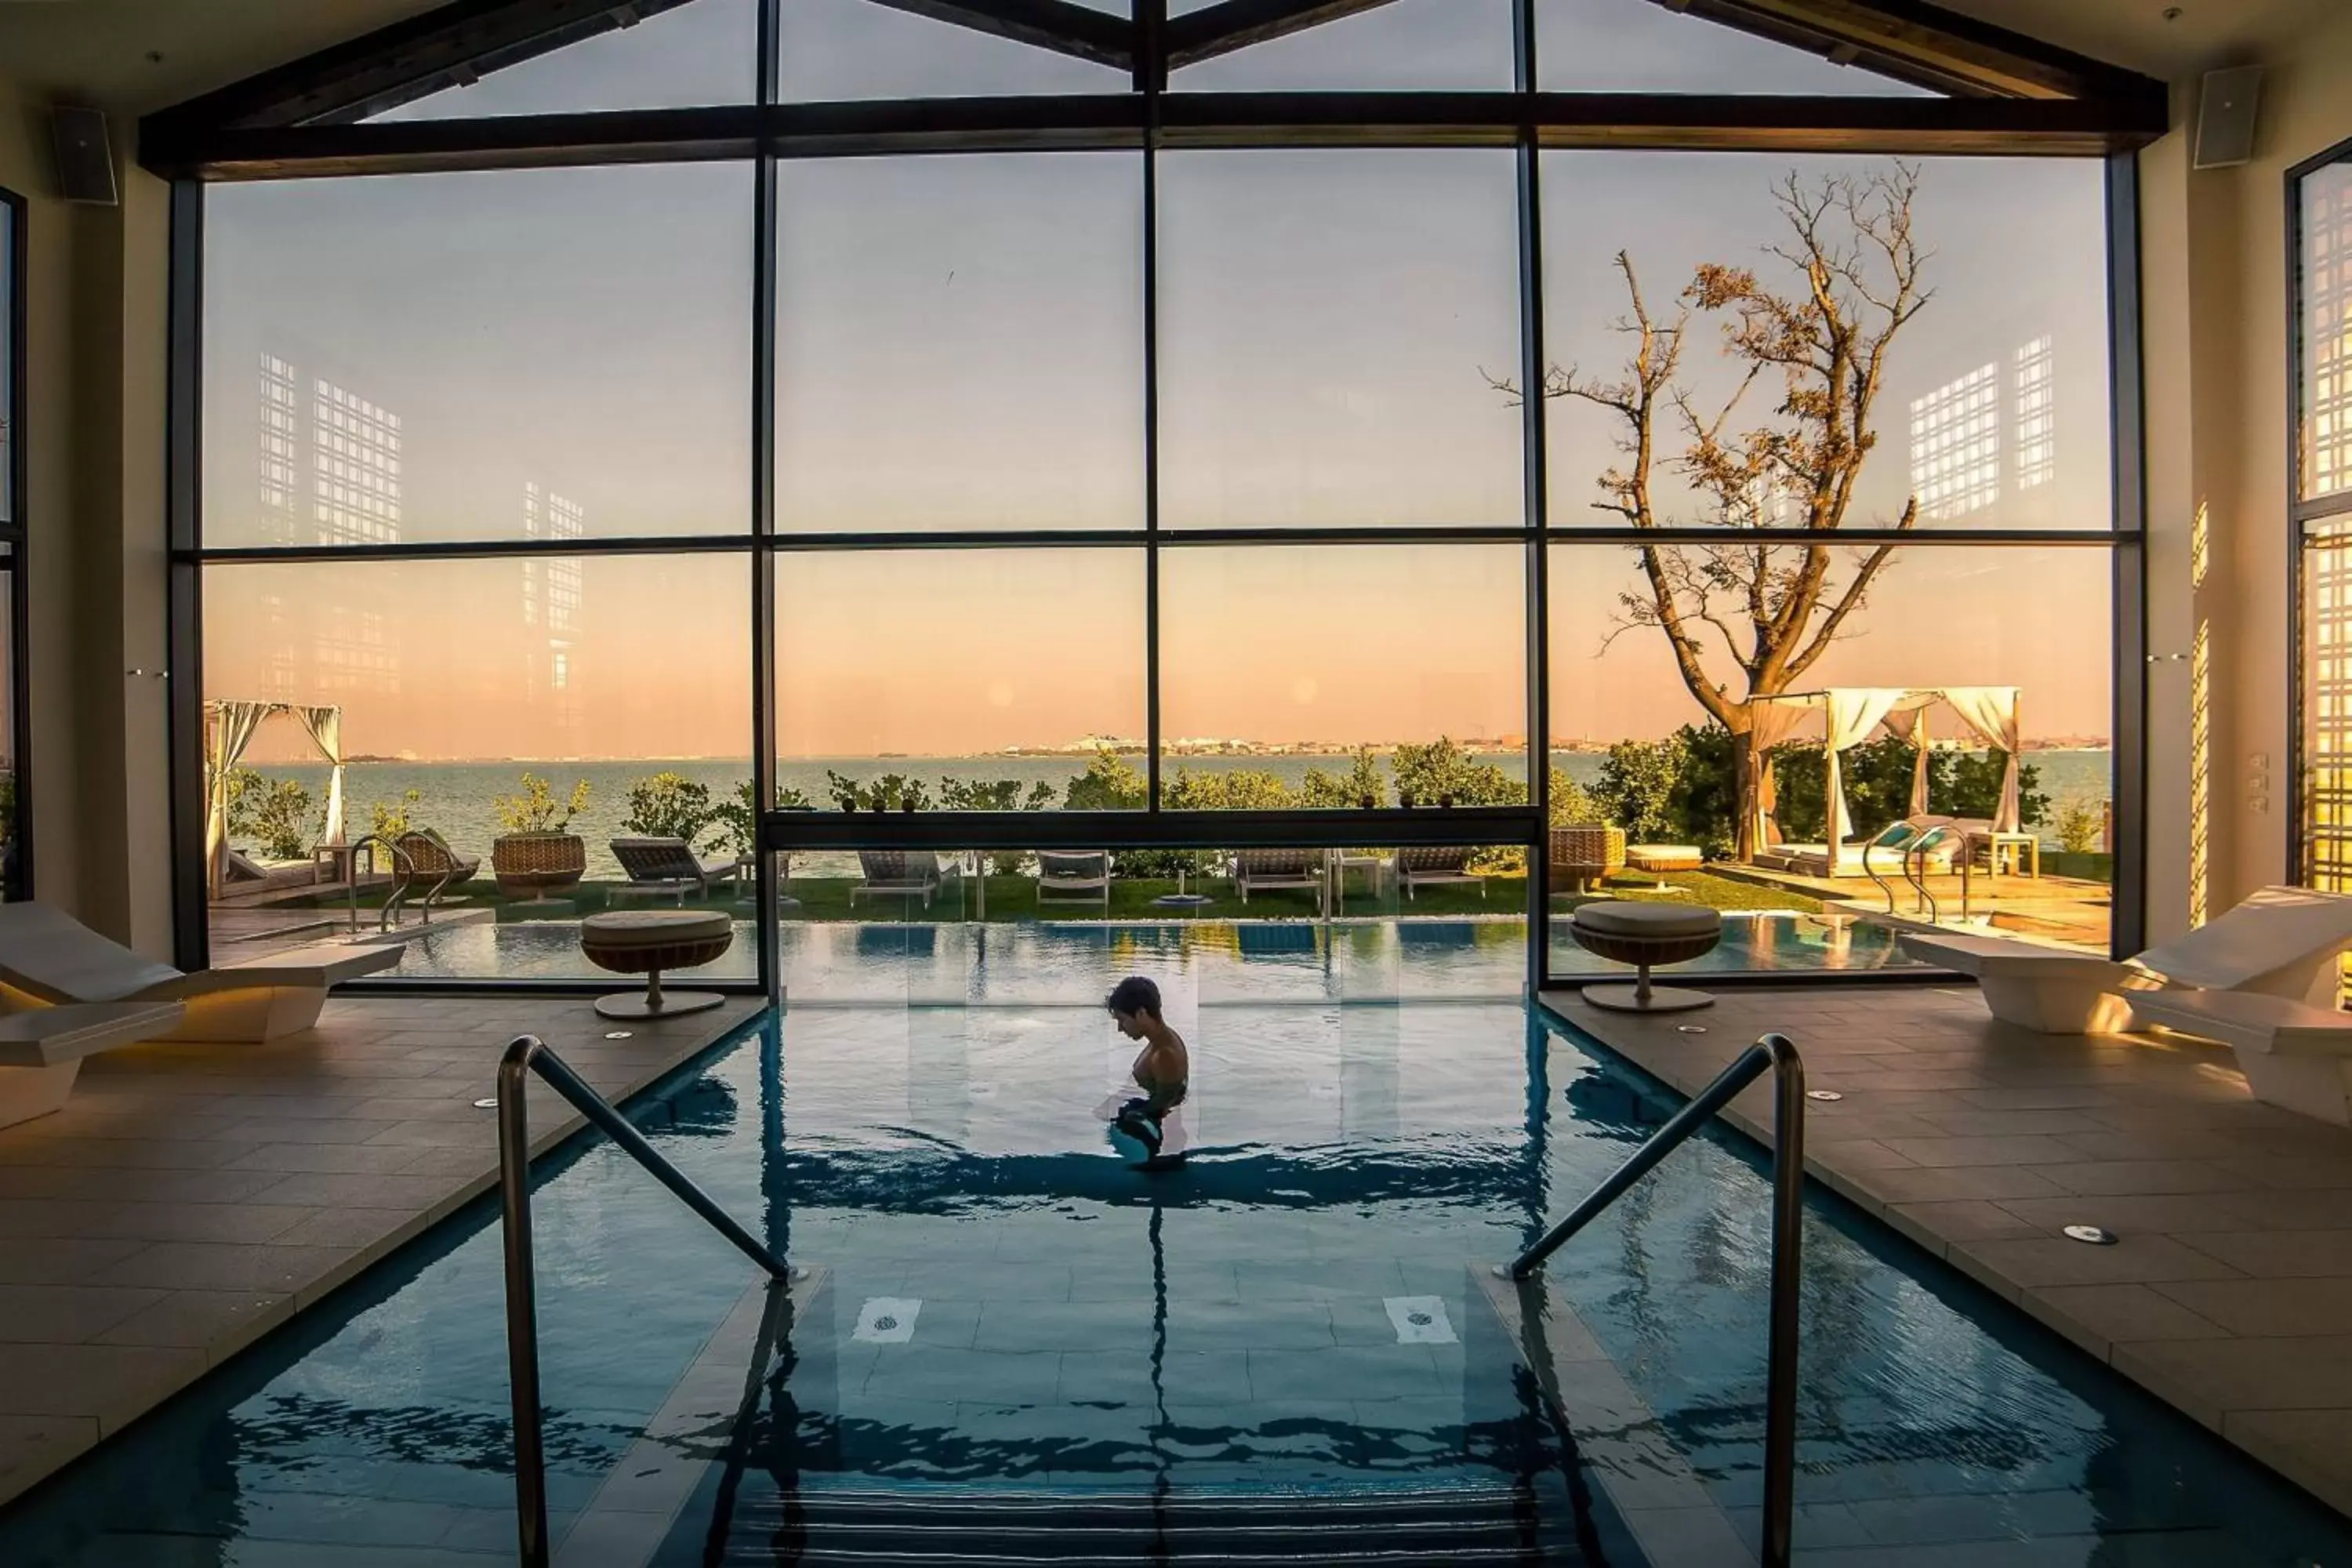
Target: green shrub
(535, 810)
(1109, 784)
(285, 822)
(669, 806)
(1569, 802)
(891, 791)
(1636, 788)
(1440, 770)
(2079, 828)
(1975, 787)
(1337, 791)
(392, 820)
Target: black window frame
(275, 127)
(16, 263)
(2304, 518)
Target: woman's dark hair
(1134, 995)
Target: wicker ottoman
(646, 942)
(1655, 857)
(1642, 935)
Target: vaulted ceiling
(132, 56)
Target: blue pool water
(1086, 1325)
(1386, 959)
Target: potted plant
(539, 855)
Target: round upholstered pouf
(646, 942)
(1643, 935)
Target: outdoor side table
(647, 943)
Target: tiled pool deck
(2229, 1294)
(190, 1198)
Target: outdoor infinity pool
(1063, 959)
(1073, 1326)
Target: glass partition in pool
(1063, 1323)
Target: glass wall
(2321, 501)
(15, 857)
(1054, 474)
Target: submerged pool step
(1497, 1525)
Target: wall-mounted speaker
(2226, 105)
(85, 161)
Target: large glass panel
(2326, 348)
(961, 343)
(548, 354)
(620, 684)
(1637, 46)
(682, 56)
(1319, 674)
(1330, 324)
(1429, 45)
(1960, 647)
(10, 348)
(2326, 690)
(12, 824)
(836, 49)
(928, 675)
(1973, 292)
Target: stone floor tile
(2098, 1317)
(1853, 1154)
(373, 1229)
(202, 1319)
(33, 1445)
(2132, 1215)
(2267, 1307)
(2145, 1178)
(2026, 1150)
(219, 1266)
(2040, 1261)
(60, 1260)
(1959, 1122)
(323, 1158)
(67, 1314)
(1948, 1184)
(1965, 1219)
(369, 1190)
(2210, 1377)
(149, 1222)
(108, 1383)
(2278, 1254)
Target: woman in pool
(1162, 1070)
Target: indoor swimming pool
(1005, 1308)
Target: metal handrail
(1774, 1054)
(402, 865)
(528, 1054)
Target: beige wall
(2214, 273)
(94, 428)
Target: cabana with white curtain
(230, 724)
(1848, 715)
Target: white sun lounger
(41, 1051)
(2294, 1055)
(49, 959)
(2282, 942)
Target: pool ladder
(1776, 1055)
(527, 1055)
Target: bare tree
(1768, 611)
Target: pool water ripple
(1087, 1325)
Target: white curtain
(325, 728)
(231, 730)
(1911, 724)
(1771, 721)
(1991, 712)
(1855, 712)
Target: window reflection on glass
(1431, 46)
(960, 343)
(2327, 683)
(836, 49)
(960, 679)
(680, 57)
(1978, 285)
(1959, 650)
(9, 284)
(579, 702)
(405, 360)
(1322, 675)
(2326, 348)
(1637, 46)
(1331, 326)
(11, 823)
